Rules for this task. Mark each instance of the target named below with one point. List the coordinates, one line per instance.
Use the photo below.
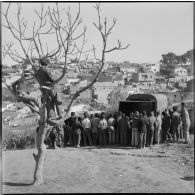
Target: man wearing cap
(46, 81)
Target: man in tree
(48, 87)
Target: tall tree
(169, 59)
(59, 23)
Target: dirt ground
(159, 169)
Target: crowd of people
(136, 130)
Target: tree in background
(60, 24)
(170, 61)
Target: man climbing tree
(45, 79)
(64, 28)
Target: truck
(143, 102)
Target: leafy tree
(169, 59)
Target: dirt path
(163, 168)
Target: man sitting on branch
(49, 88)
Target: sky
(151, 28)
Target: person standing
(151, 126)
(185, 122)
(103, 130)
(158, 127)
(94, 128)
(77, 132)
(134, 140)
(176, 121)
(117, 133)
(111, 129)
(171, 128)
(86, 124)
(142, 128)
(166, 123)
(128, 132)
(123, 128)
(60, 137)
(70, 123)
(53, 138)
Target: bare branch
(41, 47)
(110, 29)
(37, 48)
(119, 47)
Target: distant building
(102, 89)
(144, 78)
(127, 69)
(181, 71)
(71, 73)
(154, 68)
(181, 78)
(74, 87)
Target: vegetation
(170, 61)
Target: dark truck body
(141, 102)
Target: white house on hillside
(154, 68)
(102, 89)
(181, 71)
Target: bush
(18, 140)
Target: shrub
(18, 140)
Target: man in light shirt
(157, 130)
(111, 130)
(103, 130)
(185, 122)
(86, 124)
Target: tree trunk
(41, 147)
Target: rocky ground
(162, 168)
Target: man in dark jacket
(70, 122)
(46, 82)
(142, 128)
(123, 129)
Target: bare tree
(61, 24)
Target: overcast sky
(151, 29)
